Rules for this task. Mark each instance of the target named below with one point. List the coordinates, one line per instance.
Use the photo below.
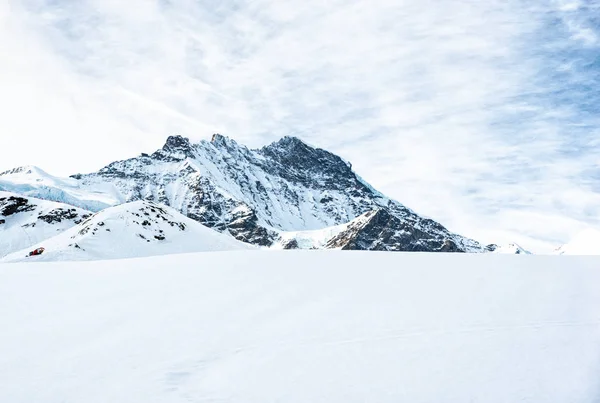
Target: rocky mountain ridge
(287, 195)
(256, 195)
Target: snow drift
(131, 230)
(320, 326)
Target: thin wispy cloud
(480, 114)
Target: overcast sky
(483, 115)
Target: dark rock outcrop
(14, 204)
(382, 231)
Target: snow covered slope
(508, 249)
(315, 239)
(256, 195)
(25, 221)
(319, 327)
(131, 230)
(585, 243)
(34, 182)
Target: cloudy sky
(483, 115)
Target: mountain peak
(25, 170)
(177, 143)
(219, 140)
(255, 195)
(306, 160)
(290, 142)
(176, 148)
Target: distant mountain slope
(380, 230)
(585, 243)
(34, 182)
(259, 196)
(314, 239)
(25, 221)
(131, 230)
(508, 249)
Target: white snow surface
(131, 230)
(305, 326)
(24, 229)
(585, 243)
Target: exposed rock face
(291, 244)
(382, 231)
(48, 212)
(12, 205)
(15, 204)
(256, 194)
(61, 214)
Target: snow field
(293, 326)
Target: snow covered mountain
(34, 182)
(134, 229)
(261, 196)
(315, 239)
(509, 249)
(585, 243)
(25, 221)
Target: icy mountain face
(25, 221)
(256, 195)
(32, 181)
(134, 229)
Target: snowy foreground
(321, 326)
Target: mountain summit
(288, 195)
(258, 196)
